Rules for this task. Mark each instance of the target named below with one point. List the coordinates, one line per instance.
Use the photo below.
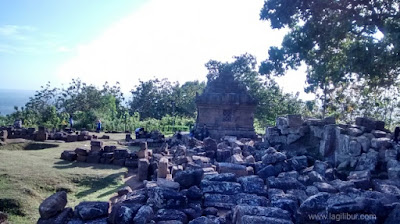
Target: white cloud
(64, 49)
(15, 32)
(173, 39)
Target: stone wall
(366, 145)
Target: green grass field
(30, 172)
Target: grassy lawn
(30, 172)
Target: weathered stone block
(298, 162)
(110, 148)
(284, 183)
(251, 199)
(238, 170)
(354, 148)
(91, 210)
(163, 170)
(355, 132)
(291, 138)
(189, 177)
(144, 215)
(379, 143)
(210, 144)
(272, 157)
(360, 178)
(143, 169)
(223, 155)
(81, 151)
(80, 158)
(394, 173)
(220, 187)
(143, 145)
(294, 120)
(268, 171)
(52, 205)
(96, 143)
(219, 200)
(365, 143)
(121, 153)
(379, 134)
(68, 155)
(241, 211)
(170, 214)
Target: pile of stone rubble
(42, 134)
(304, 171)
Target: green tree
(157, 98)
(271, 100)
(338, 41)
(151, 99)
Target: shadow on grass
(63, 164)
(12, 206)
(39, 146)
(95, 184)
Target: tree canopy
(157, 98)
(270, 97)
(337, 40)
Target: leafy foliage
(158, 98)
(339, 41)
(271, 100)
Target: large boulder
(368, 161)
(394, 216)
(342, 203)
(365, 142)
(210, 144)
(160, 197)
(89, 210)
(68, 155)
(52, 205)
(123, 213)
(144, 215)
(272, 156)
(379, 143)
(298, 162)
(62, 217)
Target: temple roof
(225, 90)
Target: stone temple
(226, 108)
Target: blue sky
(128, 40)
(38, 36)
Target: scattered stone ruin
(226, 108)
(304, 171)
(43, 134)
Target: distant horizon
(130, 40)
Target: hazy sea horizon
(9, 98)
